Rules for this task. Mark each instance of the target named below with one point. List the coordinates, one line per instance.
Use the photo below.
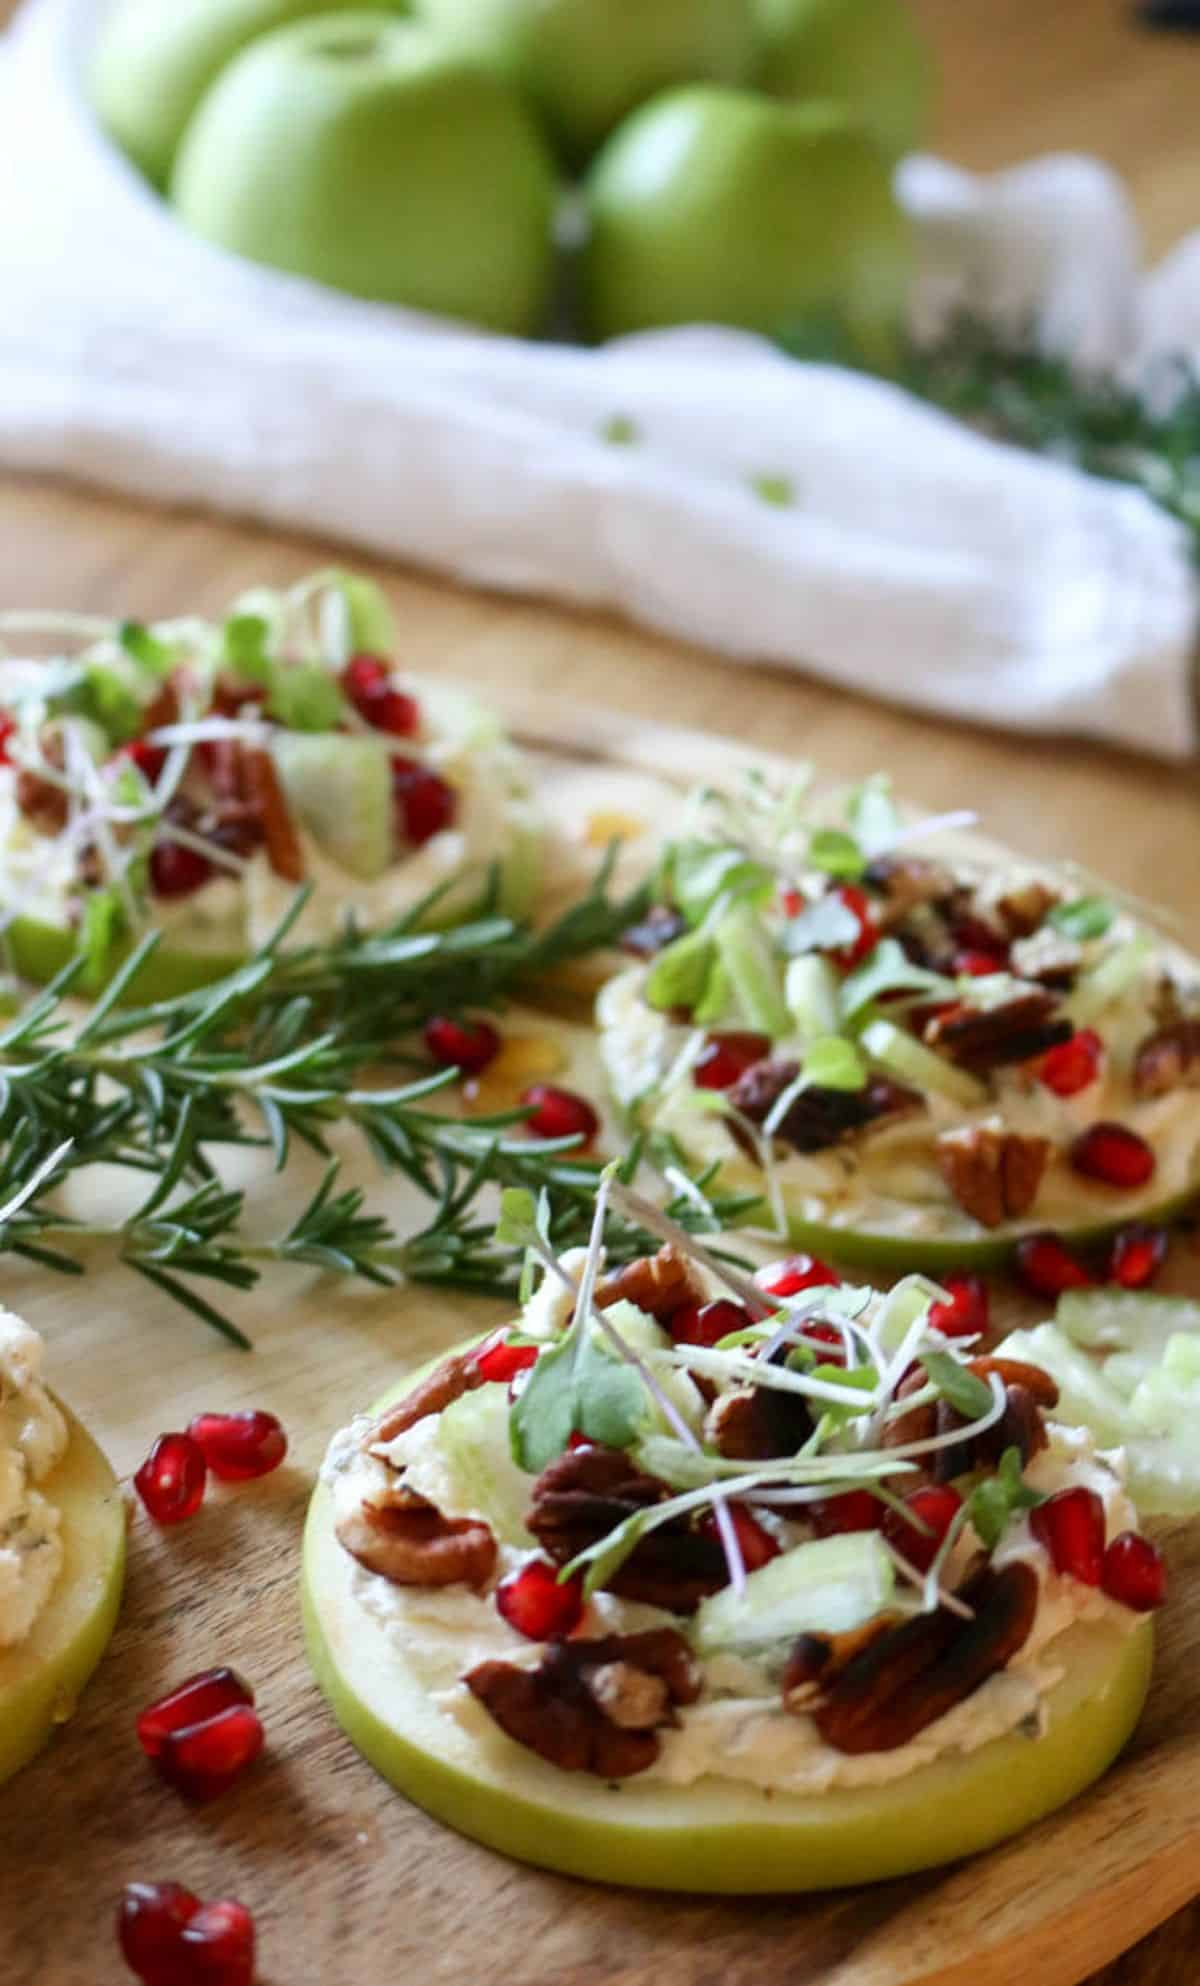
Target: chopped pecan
(456, 1375)
(1026, 906)
(260, 784)
(817, 1117)
(654, 932)
(816, 1659)
(1016, 1372)
(906, 1679)
(905, 883)
(1168, 1059)
(1048, 956)
(1020, 1426)
(406, 1540)
(754, 1423)
(919, 1423)
(587, 1492)
(982, 1038)
(658, 1284)
(994, 1175)
(592, 1706)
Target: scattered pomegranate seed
(1074, 1064)
(1047, 1267)
(1114, 1155)
(171, 1480)
(828, 1334)
(964, 1314)
(499, 1361)
(151, 1919)
(7, 727)
(725, 1057)
(425, 802)
(217, 1946)
(1135, 1573)
(149, 759)
(238, 1447)
(577, 1440)
(1137, 1255)
(796, 1273)
(706, 1323)
(537, 1605)
(190, 1702)
(973, 964)
(791, 902)
(854, 1510)
(368, 684)
(937, 1506)
(558, 1113)
(859, 904)
(756, 1544)
(176, 870)
(1071, 1527)
(202, 1760)
(466, 1045)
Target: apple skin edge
(715, 1837)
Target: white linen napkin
(791, 513)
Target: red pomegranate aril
(466, 1045)
(1114, 1155)
(238, 1447)
(972, 964)
(201, 1760)
(756, 1545)
(499, 1362)
(791, 901)
(1071, 1527)
(964, 1314)
(190, 1702)
(149, 759)
(151, 1920)
(171, 1480)
(726, 1057)
(853, 1510)
(1134, 1573)
(827, 1334)
(858, 903)
(936, 1507)
(1073, 1065)
(217, 1946)
(707, 1323)
(365, 676)
(796, 1273)
(558, 1113)
(1137, 1255)
(176, 870)
(368, 684)
(7, 727)
(535, 1603)
(425, 802)
(1047, 1267)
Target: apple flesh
(585, 65)
(42, 1677)
(720, 206)
(356, 150)
(866, 54)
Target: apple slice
(41, 1678)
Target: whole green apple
(868, 54)
(585, 64)
(357, 150)
(722, 207)
(155, 59)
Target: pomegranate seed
(557, 1113)
(1137, 1255)
(796, 1273)
(171, 1480)
(975, 934)
(1071, 1527)
(190, 1702)
(7, 727)
(425, 802)
(533, 1601)
(150, 1923)
(706, 1323)
(498, 1361)
(466, 1045)
(365, 676)
(973, 964)
(1115, 1155)
(859, 904)
(828, 1334)
(1074, 1064)
(149, 759)
(964, 1314)
(577, 1440)
(217, 1946)
(176, 870)
(1047, 1267)
(725, 1057)
(791, 902)
(756, 1544)
(200, 1760)
(936, 1506)
(1134, 1573)
(239, 1447)
(854, 1510)
(368, 684)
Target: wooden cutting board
(347, 1881)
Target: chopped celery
(901, 1308)
(1109, 980)
(1126, 1371)
(680, 974)
(754, 970)
(827, 1587)
(911, 1062)
(1167, 1401)
(473, 1436)
(1085, 1395)
(1164, 1476)
(1125, 1320)
(811, 991)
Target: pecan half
(456, 1375)
(816, 1660)
(905, 1680)
(982, 1038)
(592, 1706)
(658, 1284)
(818, 1117)
(407, 1541)
(1020, 1426)
(1016, 1372)
(1025, 907)
(754, 1423)
(656, 930)
(994, 1175)
(587, 1492)
(1168, 1059)
(261, 787)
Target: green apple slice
(40, 1680)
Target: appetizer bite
(187, 777)
(695, 1581)
(62, 1551)
(924, 1059)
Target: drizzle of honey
(601, 828)
(523, 1059)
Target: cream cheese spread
(33, 1439)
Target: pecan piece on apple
(587, 1492)
(1018, 1372)
(905, 883)
(817, 1117)
(1026, 906)
(754, 1423)
(1020, 1426)
(816, 1660)
(994, 1175)
(261, 788)
(1048, 957)
(983, 1038)
(906, 1679)
(1168, 1059)
(406, 1540)
(456, 1375)
(658, 1284)
(592, 1706)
